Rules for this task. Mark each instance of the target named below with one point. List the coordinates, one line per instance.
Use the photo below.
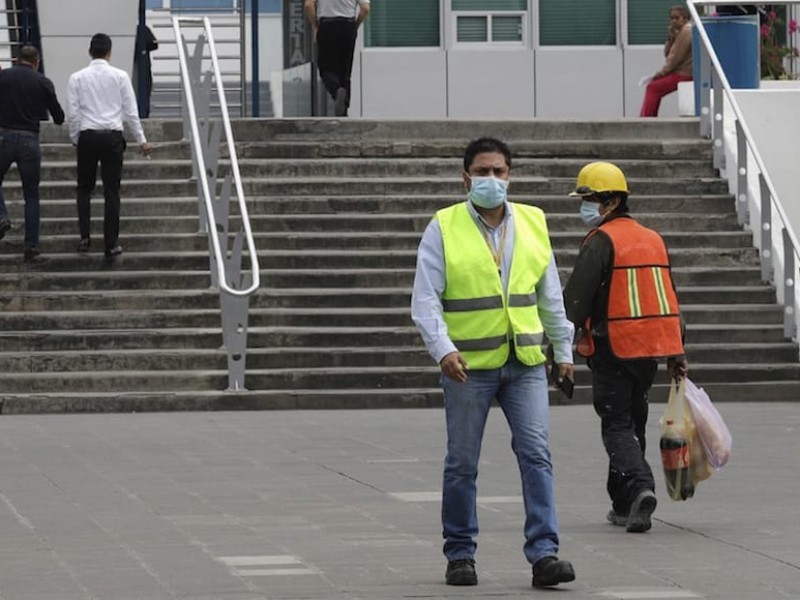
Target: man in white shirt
(334, 24)
(99, 98)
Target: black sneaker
(641, 509)
(5, 225)
(115, 251)
(84, 244)
(550, 571)
(461, 572)
(31, 254)
(617, 519)
(340, 104)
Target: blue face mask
(488, 192)
(590, 213)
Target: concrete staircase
(338, 208)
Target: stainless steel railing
(235, 286)
(715, 92)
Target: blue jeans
(521, 392)
(23, 149)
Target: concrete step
(344, 186)
(355, 222)
(138, 168)
(340, 241)
(371, 297)
(351, 130)
(100, 274)
(332, 336)
(315, 399)
(731, 314)
(321, 357)
(587, 150)
(345, 259)
(322, 378)
(427, 205)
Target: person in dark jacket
(26, 96)
(622, 295)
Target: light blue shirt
(429, 282)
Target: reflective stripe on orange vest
(643, 313)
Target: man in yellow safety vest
(486, 292)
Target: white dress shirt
(338, 8)
(101, 97)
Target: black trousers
(336, 43)
(619, 391)
(107, 148)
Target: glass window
(472, 29)
(402, 23)
(489, 5)
(648, 21)
(154, 4)
(578, 22)
(506, 29)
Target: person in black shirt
(26, 96)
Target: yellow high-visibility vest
(480, 318)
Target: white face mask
(488, 192)
(590, 213)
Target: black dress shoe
(461, 572)
(32, 254)
(550, 571)
(5, 225)
(84, 244)
(115, 251)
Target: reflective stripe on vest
(479, 318)
(643, 313)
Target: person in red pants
(678, 64)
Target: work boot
(550, 571)
(641, 509)
(461, 572)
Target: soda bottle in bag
(676, 460)
(676, 456)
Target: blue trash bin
(737, 44)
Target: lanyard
(497, 254)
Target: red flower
(773, 15)
(765, 31)
(792, 26)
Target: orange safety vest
(643, 314)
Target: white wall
(67, 26)
(490, 83)
(579, 82)
(772, 117)
(407, 83)
(640, 61)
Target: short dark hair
(483, 145)
(28, 54)
(606, 197)
(100, 45)
(681, 9)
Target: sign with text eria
(296, 35)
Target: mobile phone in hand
(567, 386)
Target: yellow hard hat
(598, 177)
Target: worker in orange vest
(622, 295)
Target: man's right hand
(145, 149)
(455, 367)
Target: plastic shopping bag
(711, 428)
(682, 453)
(675, 454)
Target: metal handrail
(201, 165)
(234, 299)
(712, 125)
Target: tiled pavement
(344, 505)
